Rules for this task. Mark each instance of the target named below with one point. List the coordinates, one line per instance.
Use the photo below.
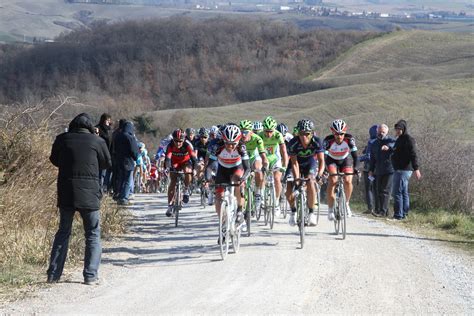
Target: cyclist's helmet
(203, 132)
(282, 128)
(339, 126)
(214, 130)
(178, 134)
(295, 130)
(245, 124)
(257, 126)
(190, 131)
(231, 133)
(269, 123)
(305, 126)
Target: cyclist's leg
(171, 188)
(277, 179)
(257, 167)
(347, 168)
(237, 174)
(331, 166)
(308, 170)
(222, 176)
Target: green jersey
(272, 144)
(254, 145)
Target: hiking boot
(91, 281)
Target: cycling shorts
(181, 166)
(275, 162)
(345, 165)
(224, 175)
(308, 167)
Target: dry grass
(28, 213)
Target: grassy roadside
(454, 229)
(19, 278)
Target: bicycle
(340, 206)
(269, 200)
(284, 207)
(301, 207)
(178, 194)
(229, 232)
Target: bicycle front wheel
(318, 207)
(343, 209)
(301, 206)
(337, 213)
(272, 207)
(249, 206)
(177, 204)
(223, 232)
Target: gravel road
(158, 268)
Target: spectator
(105, 131)
(381, 166)
(404, 160)
(115, 184)
(80, 156)
(125, 154)
(369, 182)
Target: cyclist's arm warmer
(168, 163)
(355, 159)
(246, 165)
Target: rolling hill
(424, 77)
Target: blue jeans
(401, 199)
(124, 181)
(93, 252)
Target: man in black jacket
(125, 154)
(381, 166)
(80, 155)
(404, 160)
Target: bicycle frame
(269, 199)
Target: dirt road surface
(158, 268)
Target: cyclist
(210, 161)
(233, 166)
(180, 157)
(307, 161)
(341, 155)
(277, 155)
(190, 135)
(257, 127)
(200, 149)
(213, 131)
(258, 159)
(283, 129)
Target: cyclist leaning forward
(180, 157)
(341, 155)
(277, 156)
(257, 157)
(303, 149)
(233, 166)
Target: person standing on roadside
(405, 162)
(80, 155)
(126, 152)
(369, 183)
(381, 167)
(105, 131)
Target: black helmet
(305, 125)
(282, 128)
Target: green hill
(421, 76)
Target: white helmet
(214, 130)
(257, 126)
(339, 126)
(231, 133)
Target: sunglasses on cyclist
(340, 134)
(178, 141)
(268, 131)
(305, 134)
(231, 143)
(245, 132)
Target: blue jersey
(296, 148)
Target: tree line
(173, 63)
